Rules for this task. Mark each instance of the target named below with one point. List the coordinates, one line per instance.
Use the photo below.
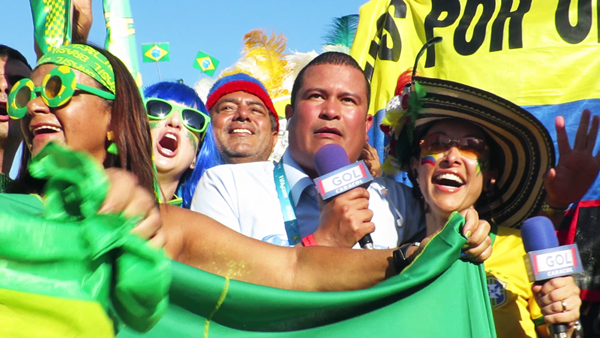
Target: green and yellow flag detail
(64, 269)
(120, 35)
(155, 52)
(206, 63)
(412, 304)
(52, 23)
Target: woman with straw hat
(464, 148)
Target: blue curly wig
(208, 156)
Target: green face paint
(154, 124)
(193, 138)
(482, 164)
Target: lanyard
(287, 207)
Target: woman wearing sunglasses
(464, 148)
(180, 144)
(84, 99)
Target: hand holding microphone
(345, 218)
(550, 266)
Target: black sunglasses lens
(53, 87)
(158, 109)
(475, 144)
(438, 142)
(193, 119)
(23, 96)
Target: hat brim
(525, 144)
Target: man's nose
(242, 113)
(331, 109)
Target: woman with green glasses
(84, 98)
(68, 256)
(180, 144)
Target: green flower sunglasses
(57, 88)
(193, 119)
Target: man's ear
(274, 138)
(368, 123)
(289, 111)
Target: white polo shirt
(243, 197)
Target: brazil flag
(206, 63)
(156, 52)
(66, 271)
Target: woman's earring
(490, 185)
(112, 147)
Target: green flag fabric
(206, 63)
(156, 52)
(63, 267)
(120, 35)
(438, 295)
(52, 23)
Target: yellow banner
(529, 52)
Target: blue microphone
(337, 175)
(545, 259)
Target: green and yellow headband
(86, 60)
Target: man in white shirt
(329, 105)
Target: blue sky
(215, 27)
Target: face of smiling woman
(451, 180)
(81, 124)
(174, 146)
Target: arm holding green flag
(201, 242)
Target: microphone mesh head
(538, 233)
(330, 157)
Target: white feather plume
(295, 62)
(202, 87)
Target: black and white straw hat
(523, 153)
